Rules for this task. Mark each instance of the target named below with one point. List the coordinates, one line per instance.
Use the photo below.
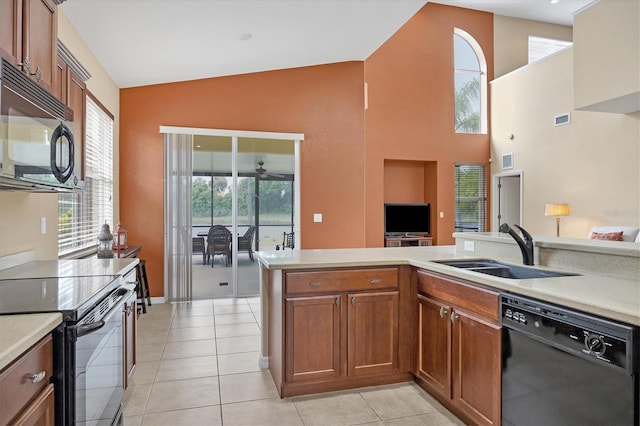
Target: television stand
(407, 241)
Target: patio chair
(245, 241)
(287, 241)
(199, 247)
(219, 242)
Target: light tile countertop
(614, 298)
(19, 332)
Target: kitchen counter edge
(19, 332)
(609, 297)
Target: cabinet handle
(443, 311)
(454, 317)
(353, 301)
(375, 281)
(26, 65)
(38, 73)
(314, 283)
(337, 300)
(35, 378)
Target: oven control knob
(595, 344)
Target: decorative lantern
(105, 242)
(120, 241)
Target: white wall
(592, 163)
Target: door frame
(495, 200)
(297, 138)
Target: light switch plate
(43, 225)
(317, 217)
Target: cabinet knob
(337, 300)
(443, 311)
(35, 378)
(353, 301)
(454, 316)
(375, 281)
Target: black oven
(97, 346)
(88, 361)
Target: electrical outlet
(317, 217)
(469, 246)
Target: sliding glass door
(243, 187)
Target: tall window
(470, 84)
(80, 215)
(471, 198)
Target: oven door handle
(83, 330)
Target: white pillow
(628, 233)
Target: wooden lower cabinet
(26, 391)
(341, 339)
(458, 351)
(313, 338)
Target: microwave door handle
(62, 131)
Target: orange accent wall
(410, 114)
(409, 117)
(323, 102)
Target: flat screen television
(406, 219)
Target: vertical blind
(471, 198)
(80, 215)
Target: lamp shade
(557, 210)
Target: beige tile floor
(198, 365)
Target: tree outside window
(469, 64)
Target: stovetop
(73, 296)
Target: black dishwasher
(564, 367)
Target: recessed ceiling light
(245, 36)
(555, 1)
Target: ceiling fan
(263, 173)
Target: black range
(87, 357)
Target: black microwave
(36, 136)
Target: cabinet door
(40, 412)
(39, 38)
(76, 100)
(11, 30)
(477, 369)
(434, 345)
(129, 326)
(373, 333)
(313, 327)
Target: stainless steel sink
(502, 270)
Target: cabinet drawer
(343, 280)
(476, 299)
(16, 386)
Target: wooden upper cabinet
(11, 30)
(39, 38)
(76, 100)
(28, 34)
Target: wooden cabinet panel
(76, 100)
(477, 368)
(40, 412)
(434, 345)
(59, 89)
(313, 338)
(18, 386)
(39, 38)
(373, 333)
(459, 346)
(129, 318)
(341, 280)
(11, 30)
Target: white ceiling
(142, 42)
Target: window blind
(470, 198)
(80, 215)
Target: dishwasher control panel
(572, 331)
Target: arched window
(470, 84)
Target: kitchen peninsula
(343, 318)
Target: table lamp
(557, 210)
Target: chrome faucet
(526, 246)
